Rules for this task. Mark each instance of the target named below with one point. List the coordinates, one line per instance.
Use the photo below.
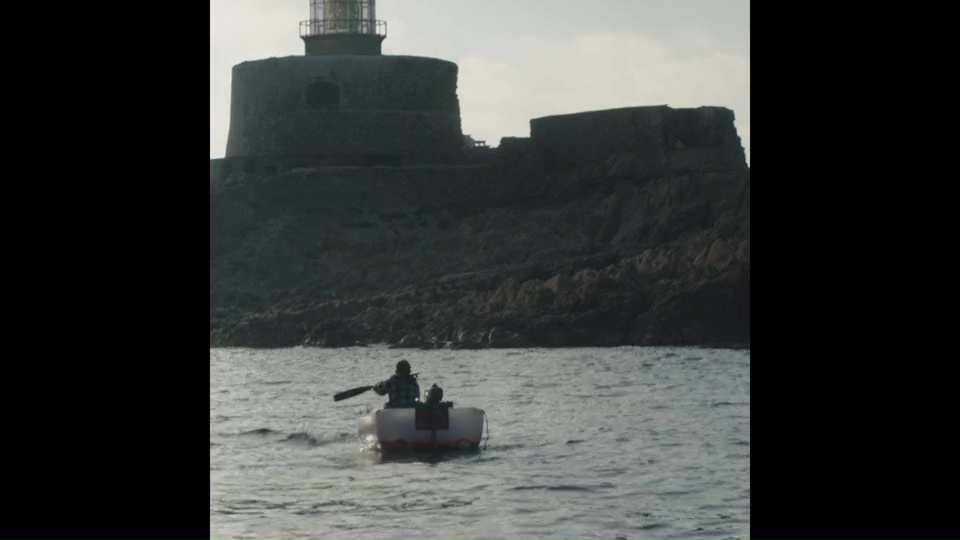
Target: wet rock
(409, 341)
(720, 254)
(605, 250)
(499, 338)
(559, 283)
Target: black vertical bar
(433, 428)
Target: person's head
(403, 367)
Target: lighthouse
(344, 102)
(343, 27)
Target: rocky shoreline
(515, 254)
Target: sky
(523, 59)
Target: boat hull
(422, 428)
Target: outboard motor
(434, 395)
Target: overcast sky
(522, 59)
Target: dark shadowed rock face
(589, 251)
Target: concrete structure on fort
(345, 104)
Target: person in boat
(402, 386)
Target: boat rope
(487, 424)
(433, 428)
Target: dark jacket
(402, 389)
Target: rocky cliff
(645, 241)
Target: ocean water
(630, 442)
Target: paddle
(350, 393)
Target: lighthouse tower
(343, 27)
(344, 102)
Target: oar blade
(350, 393)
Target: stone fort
(345, 104)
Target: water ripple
(565, 487)
(302, 437)
(563, 459)
(260, 431)
(725, 403)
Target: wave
(322, 506)
(260, 431)
(408, 505)
(248, 506)
(624, 384)
(505, 446)
(724, 403)
(302, 437)
(566, 487)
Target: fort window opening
(323, 94)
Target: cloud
(250, 29)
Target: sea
(609, 443)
